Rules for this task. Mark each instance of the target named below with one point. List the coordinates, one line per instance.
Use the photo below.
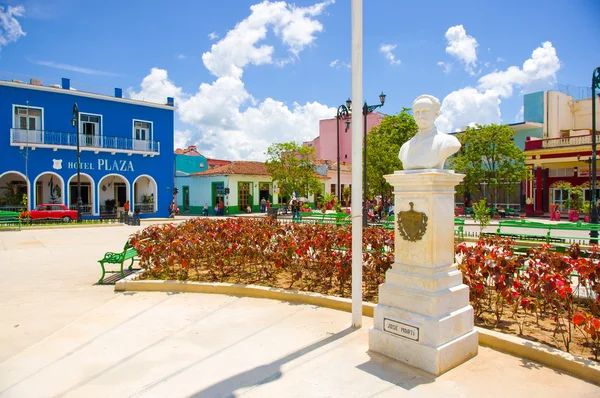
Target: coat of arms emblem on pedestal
(412, 225)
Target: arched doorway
(113, 192)
(87, 194)
(145, 194)
(49, 188)
(14, 190)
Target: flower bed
(316, 258)
(532, 296)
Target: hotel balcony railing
(145, 207)
(86, 209)
(559, 142)
(47, 138)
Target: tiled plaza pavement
(61, 335)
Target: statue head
(426, 108)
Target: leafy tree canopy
(291, 165)
(489, 156)
(383, 145)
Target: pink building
(326, 143)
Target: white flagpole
(357, 134)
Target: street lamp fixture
(594, 204)
(366, 110)
(343, 112)
(75, 123)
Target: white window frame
(151, 133)
(99, 133)
(41, 127)
(80, 129)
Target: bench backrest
(578, 226)
(10, 214)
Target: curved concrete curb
(577, 366)
(129, 284)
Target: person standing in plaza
(263, 205)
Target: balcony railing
(145, 207)
(47, 138)
(559, 142)
(85, 208)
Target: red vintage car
(53, 211)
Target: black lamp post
(593, 204)
(343, 112)
(75, 123)
(366, 110)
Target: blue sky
(249, 73)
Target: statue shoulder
(447, 144)
(404, 151)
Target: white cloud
(181, 139)
(446, 66)
(10, 28)
(462, 46)
(293, 25)
(227, 121)
(156, 87)
(74, 68)
(213, 36)
(386, 50)
(500, 59)
(541, 67)
(182, 56)
(337, 64)
(482, 104)
(521, 115)
(466, 106)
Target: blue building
(126, 150)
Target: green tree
(291, 165)
(490, 158)
(482, 214)
(383, 145)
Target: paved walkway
(61, 335)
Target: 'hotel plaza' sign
(102, 165)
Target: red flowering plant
(590, 327)
(263, 251)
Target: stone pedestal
(423, 317)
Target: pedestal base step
(434, 360)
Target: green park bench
(459, 232)
(569, 239)
(11, 218)
(128, 253)
(317, 217)
(555, 234)
(389, 222)
(336, 218)
(506, 230)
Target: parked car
(53, 211)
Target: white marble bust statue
(429, 148)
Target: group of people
(264, 205)
(127, 206)
(218, 210)
(379, 208)
(296, 207)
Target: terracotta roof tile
(236, 167)
(192, 150)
